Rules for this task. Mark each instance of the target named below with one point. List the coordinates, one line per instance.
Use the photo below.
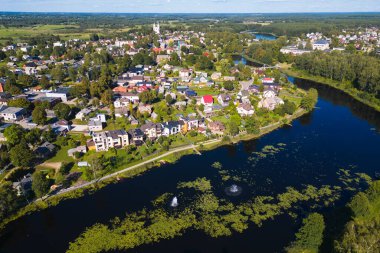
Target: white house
(121, 103)
(171, 128)
(110, 139)
(12, 113)
(245, 109)
(269, 94)
(82, 113)
(95, 125)
(224, 99)
(321, 45)
(270, 103)
(152, 130)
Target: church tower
(156, 28)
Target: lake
(339, 133)
(264, 36)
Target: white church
(156, 28)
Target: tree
(9, 202)
(233, 128)
(26, 80)
(169, 99)
(289, 107)
(20, 102)
(228, 85)
(33, 137)
(94, 37)
(12, 87)
(359, 205)
(21, 155)
(14, 134)
(106, 97)
(310, 235)
(62, 111)
(44, 82)
(57, 73)
(39, 115)
(307, 103)
(252, 125)
(72, 74)
(40, 184)
(148, 97)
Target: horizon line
(246, 13)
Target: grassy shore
(171, 158)
(354, 93)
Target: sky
(190, 6)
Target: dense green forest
(352, 71)
(280, 24)
(362, 232)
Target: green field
(65, 32)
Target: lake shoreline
(54, 200)
(333, 84)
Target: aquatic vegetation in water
(353, 181)
(225, 174)
(200, 184)
(216, 217)
(266, 151)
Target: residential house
(216, 76)
(190, 93)
(133, 98)
(190, 123)
(95, 125)
(121, 103)
(110, 139)
(80, 149)
(207, 100)
(216, 127)
(245, 109)
(321, 45)
(12, 113)
(243, 96)
(144, 109)
(270, 103)
(82, 114)
(229, 78)
(185, 75)
(269, 94)
(137, 136)
(171, 128)
(152, 130)
(62, 93)
(224, 99)
(45, 150)
(24, 185)
(162, 58)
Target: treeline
(355, 71)
(267, 52)
(298, 24)
(362, 233)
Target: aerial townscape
(189, 132)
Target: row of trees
(358, 71)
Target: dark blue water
(339, 133)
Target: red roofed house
(122, 89)
(157, 50)
(207, 100)
(268, 80)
